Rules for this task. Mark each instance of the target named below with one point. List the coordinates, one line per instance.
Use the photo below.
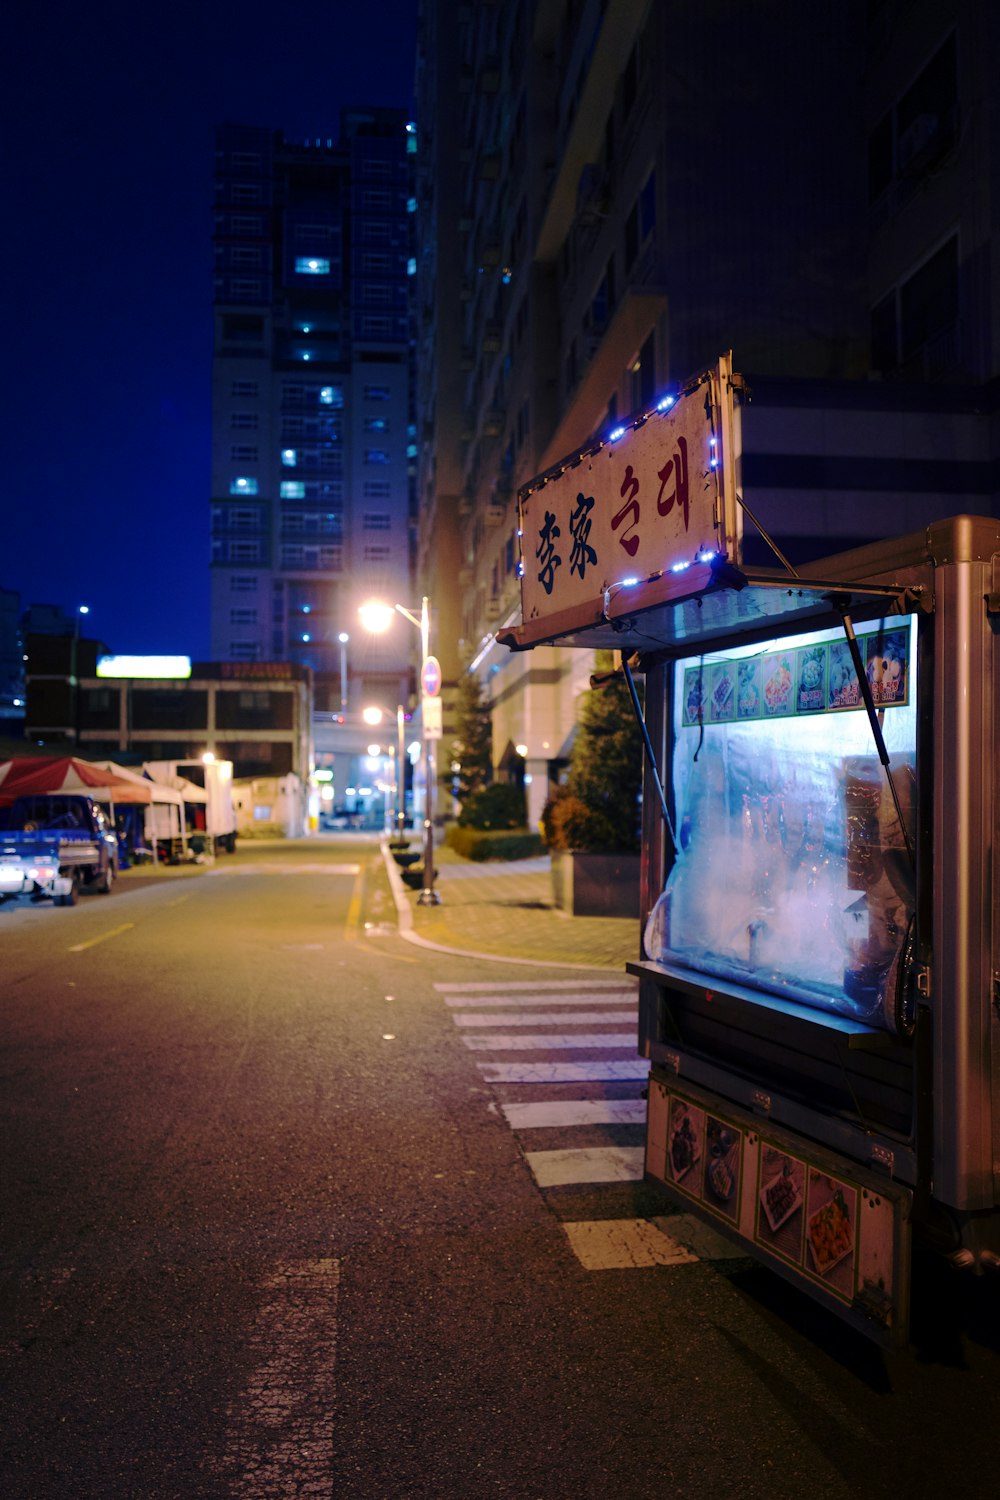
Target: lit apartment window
(331, 395)
(243, 485)
(376, 456)
(312, 265)
(376, 424)
(292, 489)
(289, 458)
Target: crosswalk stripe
(624, 1244)
(543, 1018)
(555, 1114)
(548, 1042)
(530, 984)
(523, 1002)
(595, 1070)
(586, 1164)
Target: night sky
(106, 159)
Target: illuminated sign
(651, 498)
(144, 666)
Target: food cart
(820, 966)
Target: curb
(404, 912)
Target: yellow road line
(352, 922)
(92, 942)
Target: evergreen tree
(472, 748)
(605, 772)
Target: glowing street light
(377, 616)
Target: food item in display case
(683, 1148)
(748, 689)
(780, 1198)
(721, 1180)
(693, 697)
(722, 692)
(829, 1235)
(777, 684)
(842, 690)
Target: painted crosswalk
(534, 1040)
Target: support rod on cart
(840, 604)
(650, 757)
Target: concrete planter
(596, 885)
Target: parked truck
(51, 844)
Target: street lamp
(376, 616)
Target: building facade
(630, 189)
(311, 508)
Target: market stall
(817, 991)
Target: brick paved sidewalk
(505, 909)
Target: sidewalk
(505, 910)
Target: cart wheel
(70, 897)
(105, 881)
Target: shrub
(501, 805)
(574, 826)
(478, 844)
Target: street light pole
(400, 774)
(377, 617)
(343, 638)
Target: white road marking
(624, 1244)
(593, 1071)
(484, 1002)
(586, 1164)
(543, 1018)
(556, 1114)
(532, 984)
(548, 1042)
(279, 1440)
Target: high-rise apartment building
(622, 190)
(312, 436)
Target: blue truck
(53, 843)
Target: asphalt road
(270, 1228)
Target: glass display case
(792, 872)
